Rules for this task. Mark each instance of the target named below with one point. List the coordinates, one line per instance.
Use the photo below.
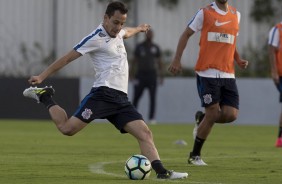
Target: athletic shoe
(196, 160)
(279, 142)
(36, 93)
(198, 118)
(172, 175)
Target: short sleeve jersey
(108, 56)
(273, 38)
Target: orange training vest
(218, 40)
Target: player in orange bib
(275, 54)
(219, 27)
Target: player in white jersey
(108, 96)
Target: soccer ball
(137, 167)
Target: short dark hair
(116, 5)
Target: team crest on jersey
(86, 113)
(102, 34)
(119, 48)
(207, 98)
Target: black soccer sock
(158, 167)
(47, 101)
(198, 144)
(280, 132)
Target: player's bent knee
(71, 127)
(66, 131)
(231, 118)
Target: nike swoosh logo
(221, 23)
(146, 164)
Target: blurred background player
(108, 97)
(217, 88)
(275, 57)
(147, 71)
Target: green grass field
(34, 152)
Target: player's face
(114, 24)
(222, 1)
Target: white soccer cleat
(172, 175)
(36, 93)
(178, 175)
(196, 160)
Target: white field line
(98, 168)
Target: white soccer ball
(137, 167)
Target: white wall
(178, 101)
(24, 22)
(30, 21)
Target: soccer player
(147, 68)
(275, 57)
(219, 26)
(108, 96)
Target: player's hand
(33, 80)
(175, 67)
(275, 77)
(243, 63)
(144, 27)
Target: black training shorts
(107, 103)
(218, 90)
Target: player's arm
(130, 31)
(241, 62)
(55, 66)
(272, 59)
(273, 48)
(175, 66)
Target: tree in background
(266, 13)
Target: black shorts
(218, 90)
(110, 104)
